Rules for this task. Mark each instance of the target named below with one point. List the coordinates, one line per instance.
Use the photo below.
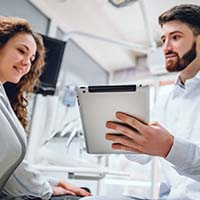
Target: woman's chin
(15, 81)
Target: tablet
(98, 104)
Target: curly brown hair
(9, 27)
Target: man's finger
(118, 146)
(122, 139)
(123, 129)
(132, 121)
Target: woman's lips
(19, 70)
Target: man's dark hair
(185, 13)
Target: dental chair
(61, 197)
(66, 197)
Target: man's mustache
(170, 54)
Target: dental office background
(92, 42)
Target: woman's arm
(29, 182)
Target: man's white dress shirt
(179, 113)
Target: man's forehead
(174, 27)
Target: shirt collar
(179, 82)
(198, 75)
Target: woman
(21, 62)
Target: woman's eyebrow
(27, 49)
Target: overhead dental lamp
(121, 3)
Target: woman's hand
(65, 188)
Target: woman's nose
(26, 62)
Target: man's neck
(188, 73)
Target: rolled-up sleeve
(185, 157)
(139, 158)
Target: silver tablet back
(98, 104)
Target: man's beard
(181, 63)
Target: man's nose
(167, 47)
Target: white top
(179, 113)
(25, 180)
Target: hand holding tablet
(139, 137)
(98, 104)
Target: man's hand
(150, 139)
(65, 188)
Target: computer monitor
(54, 54)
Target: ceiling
(131, 25)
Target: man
(179, 113)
